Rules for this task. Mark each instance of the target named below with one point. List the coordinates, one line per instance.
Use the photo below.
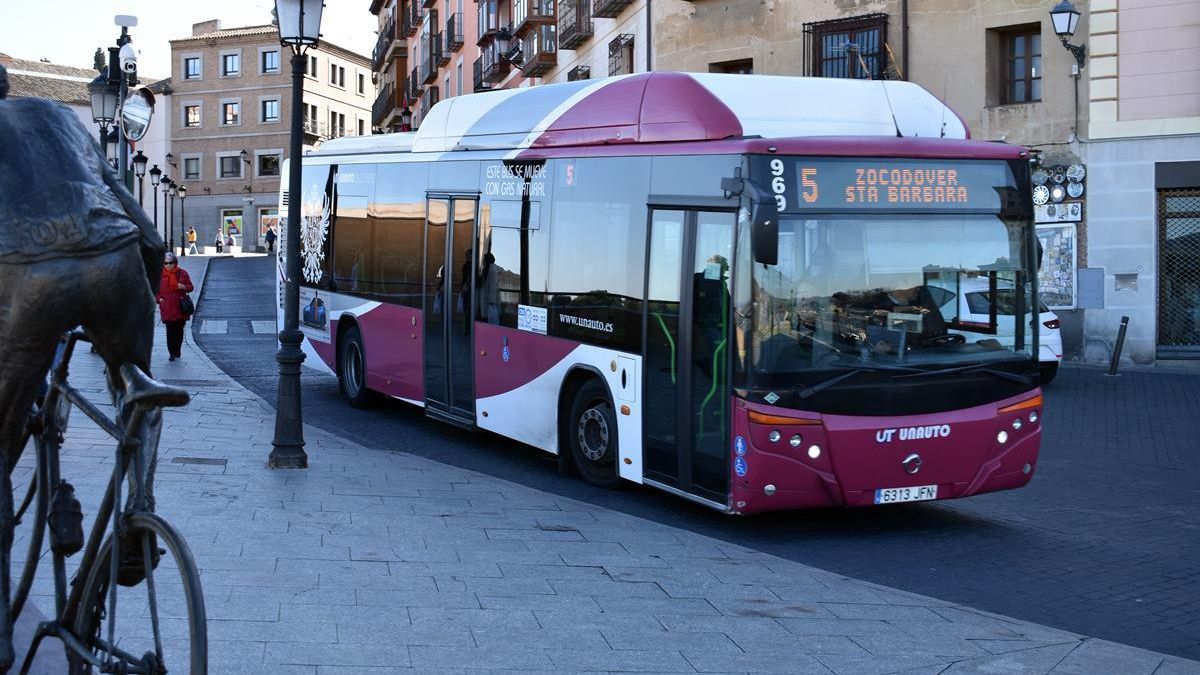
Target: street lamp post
(1065, 18)
(299, 28)
(182, 220)
(166, 194)
(171, 234)
(155, 177)
(139, 170)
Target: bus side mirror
(764, 225)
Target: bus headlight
(1002, 437)
(795, 441)
(1017, 424)
(1033, 417)
(774, 436)
(814, 451)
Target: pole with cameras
(299, 23)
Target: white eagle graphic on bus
(314, 231)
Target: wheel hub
(593, 434)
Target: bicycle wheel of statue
(160, 616)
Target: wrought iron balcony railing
(574, 23)
(415, 84)
(609, 9)
(428, 100)
(477, 81)
(454, 33)
(383, 45)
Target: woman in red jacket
(174, 286)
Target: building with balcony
(229, 121)
(425, 52)
(597, 38)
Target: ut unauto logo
(913, 433)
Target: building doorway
(1179, 273)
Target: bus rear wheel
(592, 435)
(352, 369)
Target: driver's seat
(933, 325)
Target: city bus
(739, 289)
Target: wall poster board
(267, 217)
(1057, 279)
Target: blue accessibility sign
(739, 446)
(506, 354)
(740, 467)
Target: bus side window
(503, 237)
(397, 214)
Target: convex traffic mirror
(136, 112)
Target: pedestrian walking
(220, 242)
(270, 237)
(174, 304)
(229, 242)
(191, 237)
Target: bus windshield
(900, 291)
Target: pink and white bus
(739, 289)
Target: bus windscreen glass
(892, 292)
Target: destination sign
(880, 183)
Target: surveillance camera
(128, 58)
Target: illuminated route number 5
(808, 184)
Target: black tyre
(592, 435)
(160, 623)
(352, 369)
(1048, 371)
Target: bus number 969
(778, 184)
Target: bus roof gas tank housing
(662, 107)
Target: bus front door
(449, 308)
(687, 351)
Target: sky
(67, 32)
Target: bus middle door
(450, 308)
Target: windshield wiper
(836, 379)
(977, 368)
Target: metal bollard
(1116, 357)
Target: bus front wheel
(352, 369)
(592, 432)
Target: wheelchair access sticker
(740, 467)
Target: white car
(973, 307)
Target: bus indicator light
(774, 436)
(1017, 424)
(1033, 417)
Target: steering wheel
(947, 339)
